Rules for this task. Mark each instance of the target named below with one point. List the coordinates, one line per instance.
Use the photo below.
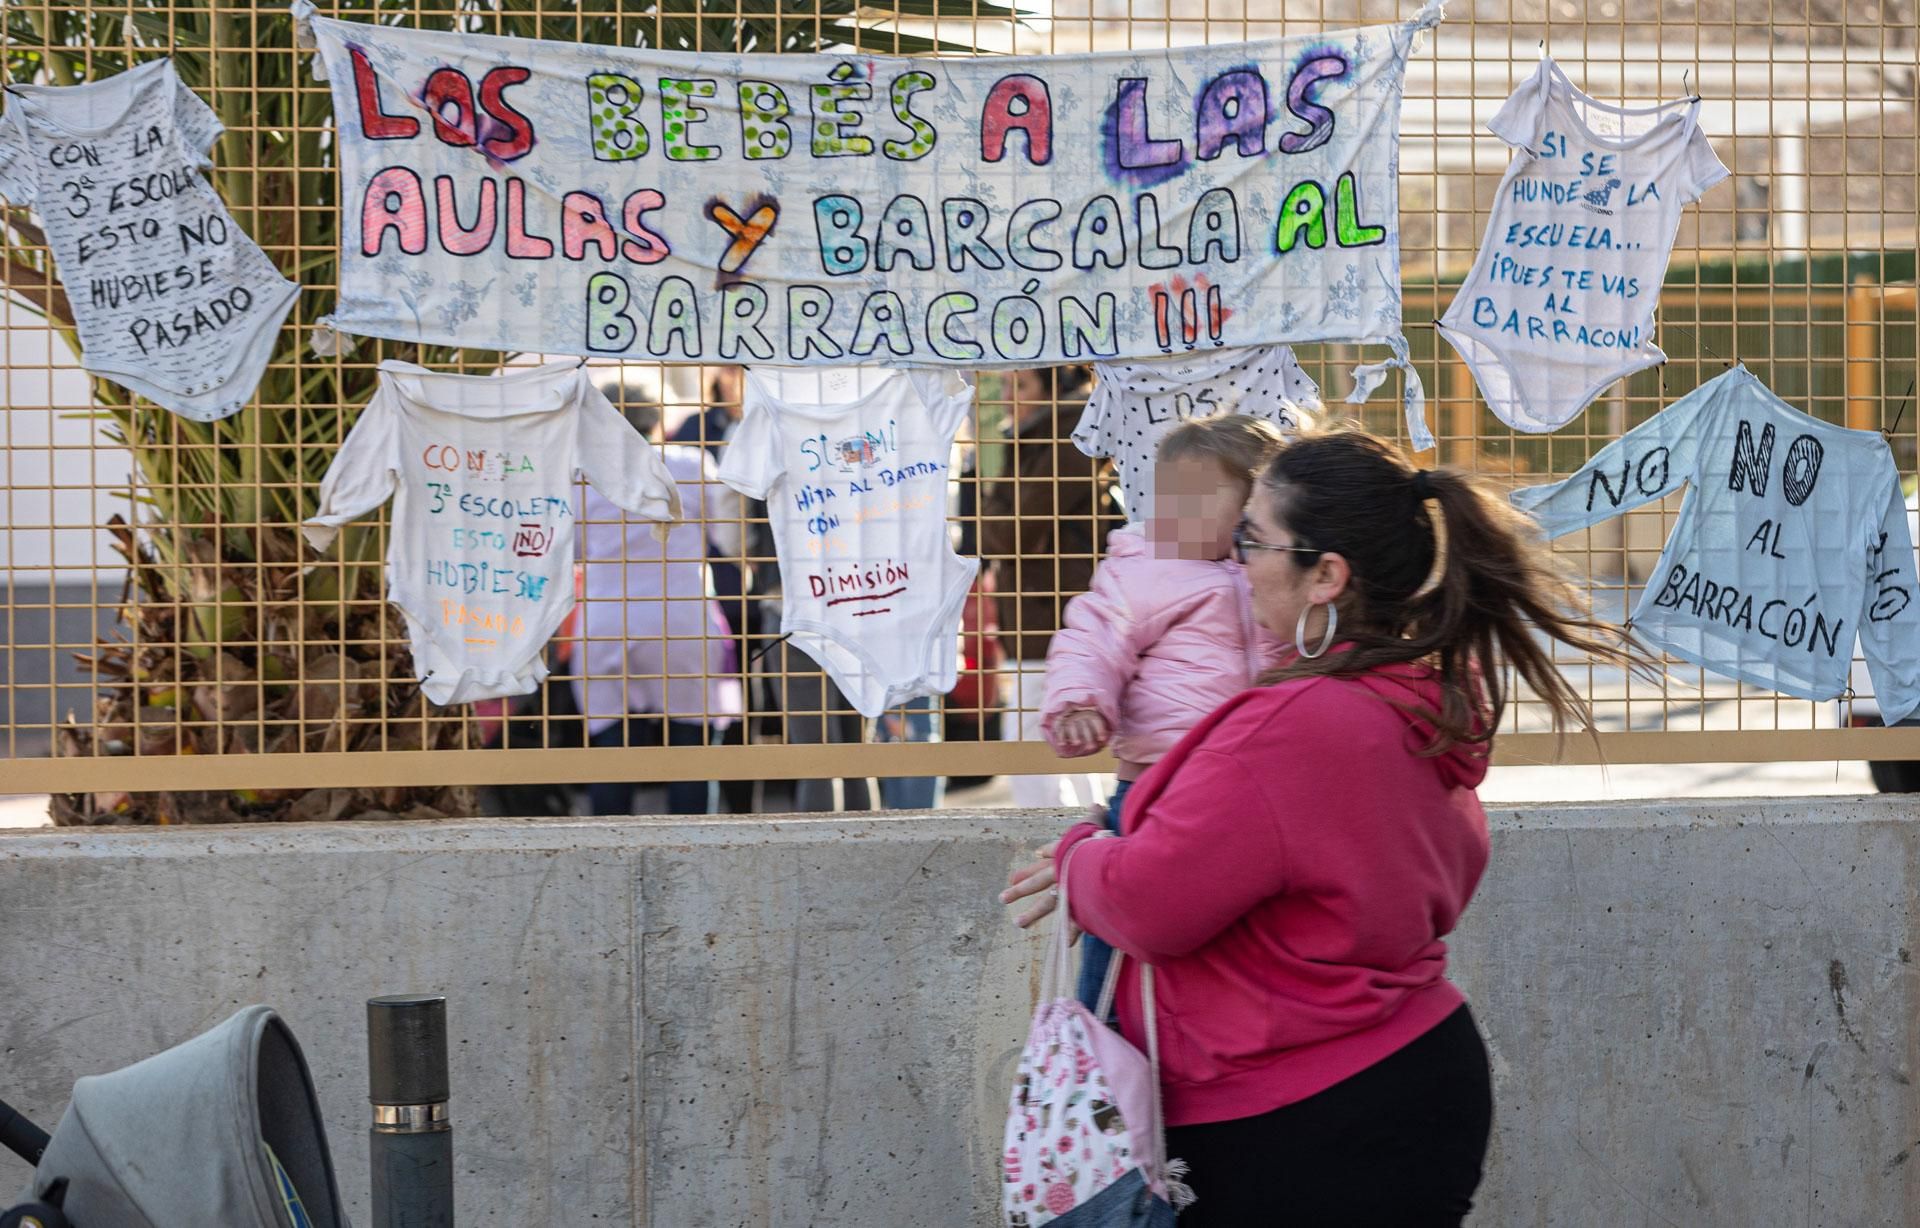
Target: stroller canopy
(182, 1139)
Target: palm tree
(229, 642)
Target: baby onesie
(1792, 540)
(1560, 300)
(856, 491)
(481, 471)
(172, 300)
(1135, 404)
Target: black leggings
(1399, 1145)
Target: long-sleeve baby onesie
(1135, 404)
(481, 471)
(856, 492)
(1559, 303)
(171, 298)
(1792, 540)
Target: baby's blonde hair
(1240, 443)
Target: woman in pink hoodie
(1165, 634)
(1291, 867)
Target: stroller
(221, 1130)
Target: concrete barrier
(1699, 1014)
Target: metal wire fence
(166, 630)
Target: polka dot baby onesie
(1134, 404)
(856, 492)
(481, 471)
(172, 300)
(1559, 304)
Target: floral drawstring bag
(1085, 1143)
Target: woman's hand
(1034, 879)
(1038, 878)
(1081, 732)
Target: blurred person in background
(721, 409)
(709, 430)
(1042, 523)
(659, 665)
(920, 722)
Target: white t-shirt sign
(172, 300)
(1792, 540)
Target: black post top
(407, 1049)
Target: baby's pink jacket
(1154, 646)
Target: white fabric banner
(819, 209)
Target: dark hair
(1067, 380)
(1349, 493)
(715, 399)
(639, 409)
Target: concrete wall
(1699, 1014)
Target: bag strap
(1109, 987)
(1059, 949)
(1151, 1013)
(1171, 1170)
(1153, 1057)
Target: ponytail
(1464, 590)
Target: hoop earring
(1326, 640)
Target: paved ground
(23, 810)
(1592, 784)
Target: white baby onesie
(1792, 540)
(856, 492)
(171, 298)
(481, 471)
(1135, 404)
(1560, 301)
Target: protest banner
(821, 210)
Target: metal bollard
(410, 1147)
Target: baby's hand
(1081, 732)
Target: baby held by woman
(1166, 632)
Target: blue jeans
(1095, 954)
(911, 792)
(683, 796)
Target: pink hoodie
(1154, 646)
(1289, 869)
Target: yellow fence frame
(397, 769)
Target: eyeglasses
(1243, 541)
